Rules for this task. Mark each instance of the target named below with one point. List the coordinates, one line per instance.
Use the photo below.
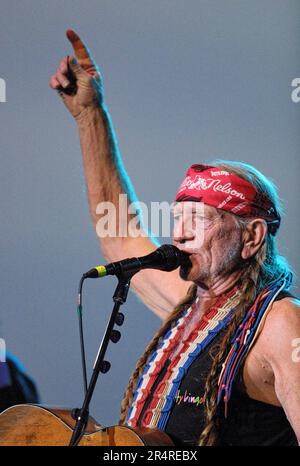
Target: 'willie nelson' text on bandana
(226, 191)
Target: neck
(207, 296)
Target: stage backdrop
(184, 81)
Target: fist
(78, 79)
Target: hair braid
(152, 346)
(250, 285)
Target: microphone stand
(119, 298)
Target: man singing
(222, 368)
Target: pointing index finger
(81, 51)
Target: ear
(253, 237)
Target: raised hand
(78, 79)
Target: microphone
(167, 257)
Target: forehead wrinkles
(187, 207)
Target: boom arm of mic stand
(119, 298)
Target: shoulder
(281, 327)
(284, 312)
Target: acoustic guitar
(37, 425)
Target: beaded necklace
(246, 336)
(207, 329)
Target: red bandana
(223, 190)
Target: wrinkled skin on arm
(282, 334)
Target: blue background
(184, 81)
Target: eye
(200, 217)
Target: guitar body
(35, 425)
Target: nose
(182, 232)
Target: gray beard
(231, 262)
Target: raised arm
(79, 83)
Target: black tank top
(249, 422)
